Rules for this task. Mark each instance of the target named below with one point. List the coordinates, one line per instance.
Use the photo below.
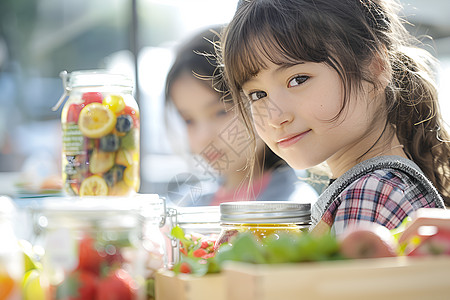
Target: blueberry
(114, 175)
(109, 143)
(124, 123)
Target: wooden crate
(386, 278)
(169, 286)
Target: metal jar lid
(265, 212)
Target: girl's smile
(291, 139)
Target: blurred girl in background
(217, 135)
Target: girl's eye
(257, 95)
(188, 121)
(297, 80)
(221, 113)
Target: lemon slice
(131, 177)
(96, 120)
(94, 186)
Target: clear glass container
(11, 261)
(199, 223)
(262, 218)
(100, 134)
(101, 247)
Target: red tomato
(134, 115)
(118, 285)
(90, 97)
(73, 113)
(79, 285)
(89, 258)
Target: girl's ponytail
(413, 108)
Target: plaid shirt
(384, 196)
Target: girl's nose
(281, 119)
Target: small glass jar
(100, 134)
(262, 218)
(102, 246)
(199, 224)
(11, 264)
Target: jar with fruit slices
(10, 256)
(100, 134)
(99, 247)
(262, 218)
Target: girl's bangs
(259, 40)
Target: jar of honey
(262, 218)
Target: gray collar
(365, 167)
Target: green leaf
(177, 232)
(281, 248)
(245, 248)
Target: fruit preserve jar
(10, 256)
(262, 218)
(99, 247)
(200, 224)
(100, 134)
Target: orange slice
(94, 186)
(96, 120)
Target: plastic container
(11, 262)
(104, 245)
(262, 218)
(100, 134)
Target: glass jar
(102, 246)
(100, 134)
(262, 218)
(199, 224)
(11, 265)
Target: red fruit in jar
(134, 115)
(91, 97)
(78, 285)
(183, 250)
(74, 113)
(185, 268)
(433, 241)
(118, 285)
(205, 245)
(367, 240)
(113, 257)
(90, 259)
(199, 252)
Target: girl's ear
(381, 70)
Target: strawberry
(89, 258)
(91, 97)
(73, 113)
(199, 252)
(118, 285)
(185, 268)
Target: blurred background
(38, 39)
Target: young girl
(339, 82)
(219, 137)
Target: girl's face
(213, 129)
(294, 109)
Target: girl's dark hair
(347, 35)
(197, 57)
